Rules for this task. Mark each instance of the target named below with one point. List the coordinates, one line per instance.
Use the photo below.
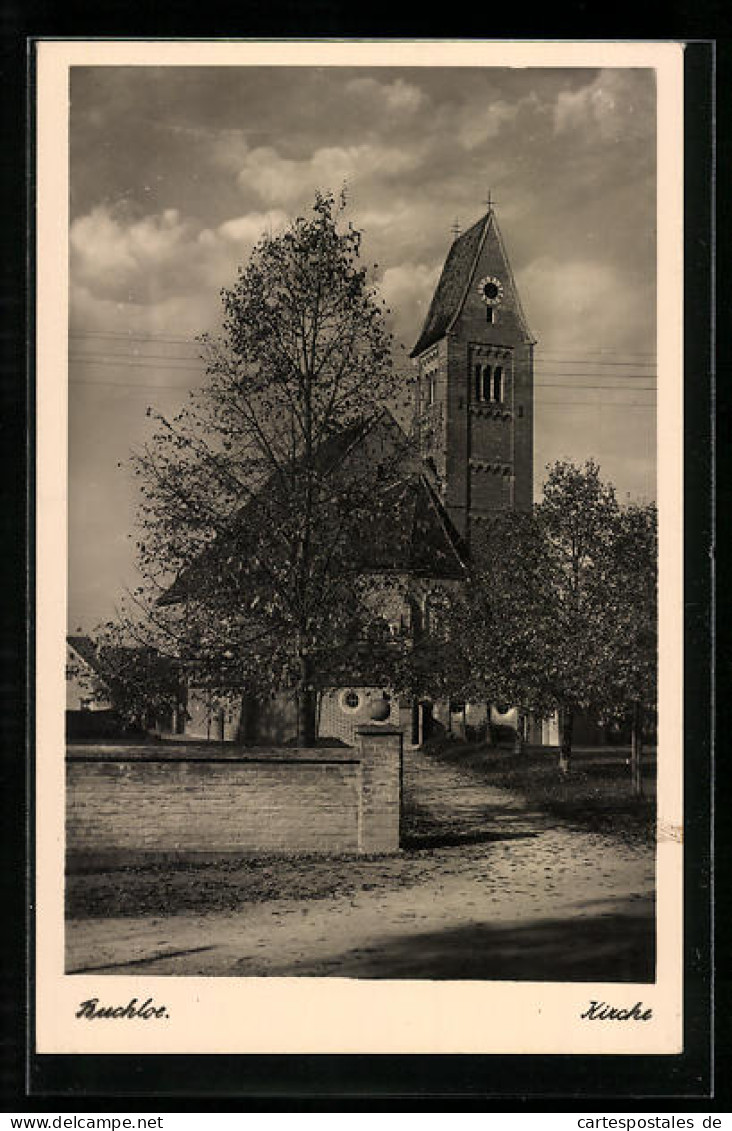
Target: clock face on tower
(490, 290)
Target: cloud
(249, 229)
(160, 270)
(105, 244)
(282, 180)
(485, 121)
(227, 148)
(185, 315)
(585, 304)
(407, 291)
(616, 105)
(400, 96)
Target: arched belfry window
(478, 387)
(498, 384)
(486, 383)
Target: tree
(258, 495)
(579, 516)
(630, 613)
(552, 620)
(503, 620)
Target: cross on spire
(490, 201)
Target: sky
(175, 173)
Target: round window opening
(351, 700)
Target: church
(474, 361)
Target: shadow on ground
(611, 945)
(109, 967)
(416, 841)
(423, 829)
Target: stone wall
(127, 804)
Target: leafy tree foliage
(560, 616)
(431, 662)
(630, 613)
(259, 497)
(630, 607)
(142, 687)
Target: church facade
(474, 366)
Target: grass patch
(224, 885)
(217, 886)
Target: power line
(571, 378)
(566, 385)
(157, 366)
(136, 360)
(573, 357)
(158, 334)
(597, 404)
(152, 361)
(147, 389)
(128, 385)
(597, 364)
(594, 353)
(129, 336)
(180, 368)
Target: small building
(83, 676)
(97, 696)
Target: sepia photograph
(362, 496)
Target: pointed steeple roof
(456, 278)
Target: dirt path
(464, 807)
(509, 893)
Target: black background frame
(30, 1082)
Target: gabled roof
(331, 454)
(416, 535)
(86, 650)
(413, 535)
(455, 280)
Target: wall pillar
(381, 788)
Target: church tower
(475, 360)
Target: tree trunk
(566, 727)
(488, 732)
(246, 734)
(518, 741)
(427, 727)
(636, 751)
(415, 722)
(181, 707)
(307, 700)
